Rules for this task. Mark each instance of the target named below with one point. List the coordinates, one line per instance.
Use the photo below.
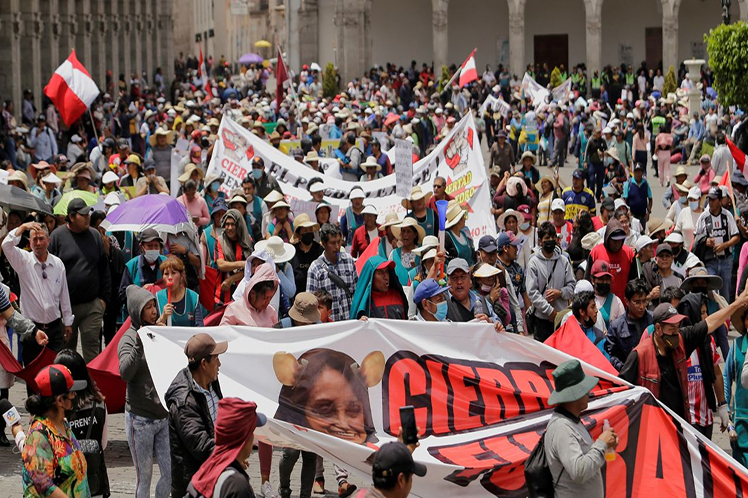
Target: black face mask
(549, 245)
(602, 289)
(696, 289)
(671, 341)
(307, 238)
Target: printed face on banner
(327, 391)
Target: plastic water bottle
(610, 453)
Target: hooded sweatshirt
(542, 275)
(363, 302)
(620, 262)
(141, 398)
(243, 313)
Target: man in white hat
(682, 257)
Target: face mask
(703, 290)
(549, 245)
(215, 186)
(486, 288)
(441, 311)
(151, 255)
(682, 200)
(693, 205)
(524, 226)
(671, 341)
(602, 289)
(256, 174)
(307, 238)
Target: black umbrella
(16, 199)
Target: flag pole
(93, 124)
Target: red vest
(649, 369)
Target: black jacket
(191, 436)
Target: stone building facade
(122, 36)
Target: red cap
(525, 210)
(601, 268)
(54, 380)
(386, 264)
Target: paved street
(119, 463)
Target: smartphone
(408, 424)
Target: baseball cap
(666, 313)
(638, 166)
(642, 242)
(56, 379)
(201, 346)
(79, 206)
(507, 238)
(487, 244)
(578, 174)
(664, 248)
(558, 204)
(675, 238)
(148, 235)
(714, 193)
(395, 458)
(619, 203)
(600, 269)
(694, 193)
(525, 210)
(457, 264)
(122, 143)
(618, 234)
(428, 289)
(705, 159)
(608, 204)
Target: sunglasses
(44, 270)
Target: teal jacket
(361, 304)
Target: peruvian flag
(203, 73)
(281, 76)
(739, 157)
(71, 89)
(468, 71)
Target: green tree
(671, 84)
(556, 77)
(727, 46)
(330, 81)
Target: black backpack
(540, 483)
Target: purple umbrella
(250, 58)
(160, 212)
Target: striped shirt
(211, 398)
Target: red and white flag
(468, 71)
(739, 157)
(281, 76)
(71, 89)
(203, 74)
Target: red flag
(468, 71)
(281, 75)
(71, 89)
(739, 157)
(570, 339)
(203, 73)
(104, 370)
(371, 250)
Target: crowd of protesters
(596, 252)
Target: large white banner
(480, 398)
(457, 158)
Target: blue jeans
(722, 268)
(146, 437)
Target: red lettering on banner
(464, 382)
(499, 396)
(439, 399)
(408, 381)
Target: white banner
(562, 93)
(480, 398)
(533, 89)
(457, 158)
(495, 105)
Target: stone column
(148, 25)
(50, 45)
(669, 40)
(98, 41)
(112, 47)
(353, 38)
(743, 9)
(517, 60)
(440, 34)
(308, 31)
(84, 35)
(31, 75)
(593, 35)
(69, 24)
(125, 54)
(136, 41)
(165, 31)
(12, 28)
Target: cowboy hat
(571, 383)
(412, 223)
(371, 162)
(390, 219)
(455, 213)
(311, 157)
(304, 221)
(282, 252)
(529, 154)
(713, 282)
(613, 152)
(509, 212)
(682, 188)
(188, 170)
(655, 225)
(160, 131)
(416, 193)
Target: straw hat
(282, 252)
(19, 176)
(412, 223)
(455, 213)
(485, 271)
(613, 152)
(371, 162)
(509, 212)
(429, 242)
(188, 170)
(304, 221)
(655, 225)
(416, 193)
(390, 219)
(529, 154)
(160, 131)
(311, 157)
(682, 188)
(212, 178)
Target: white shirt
(41, 298)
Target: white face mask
(151, 255)
(524, 226)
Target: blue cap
(220, 205)
(487, 244)
(428, 289)
(508, 238)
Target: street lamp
(726, 11)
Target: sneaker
(345, 489)
(267, 491)
(319, 487)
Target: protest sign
(480, 398)
(403, 167)
(457, 158)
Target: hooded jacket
(620, 262)
(363, 304)
(540, 279)
(141, 398)
(191, 434)
(242, 313)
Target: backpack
(540, 483)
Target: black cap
(487, 244)
(608, 204)
(638, 166)
(714, 193)
(664, 247)
(578, 174)
(148, 235)
(122, 143)
(393, 459)
(79, 206)
(666, 313)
